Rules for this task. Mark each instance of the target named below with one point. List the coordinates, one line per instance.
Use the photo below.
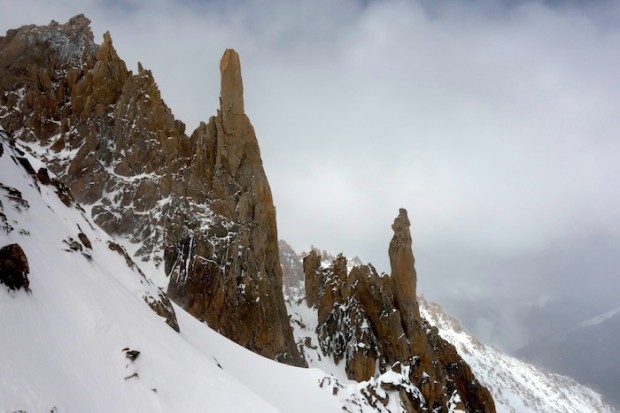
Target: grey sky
(494, 123)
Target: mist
(493, 123)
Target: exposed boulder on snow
(198, 207)
(85, 241)
(367, 319)
(158, 301)
(14, 267)
(130, 354)
(43, 176)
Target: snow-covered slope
(516, 386)
(64, 344)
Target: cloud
(493, 123)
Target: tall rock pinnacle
(403, 271)
(228, 273)
(232, 86)
(197, 208)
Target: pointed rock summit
(404, 275)
(229, 274)
(198, 209)
(231, 85)
(372, 322)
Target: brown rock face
(231, 85)
(402, 263)
(199, 206)
(29, 73)
(365, 317)
(111, 138)
(14, 267)
(229, 274)
(313, 277)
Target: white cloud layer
(494, 123)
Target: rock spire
(198, 209)
(231, 94)
(229, 274)
(368, 320)
(404, 276)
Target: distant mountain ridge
(564, 352)
(516, 386)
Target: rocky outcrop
(313, 277)
(156, 299)
(104, 131)
(292, 272)
(228, 272)
(404, 276)
(199, 207)
(366, 319)
(161, 305)
(14, 267)
(31, 59)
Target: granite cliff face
(229, 273)
(372, 322)
(105, 131)
(198, 209)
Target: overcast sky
(494, 123)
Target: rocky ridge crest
(372, 323)
(199, 207)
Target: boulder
(14, 267)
